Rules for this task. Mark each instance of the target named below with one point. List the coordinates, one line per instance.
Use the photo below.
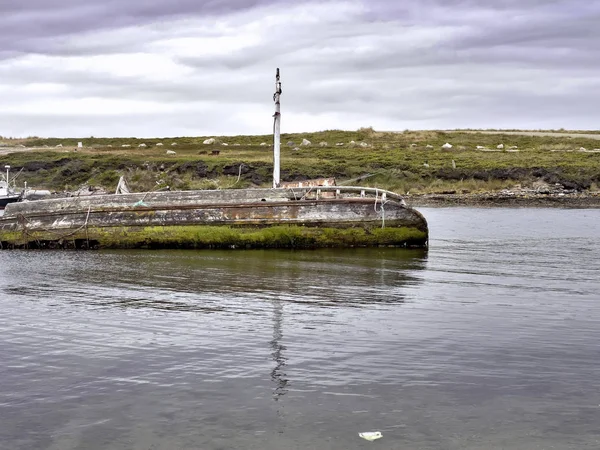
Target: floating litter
(370, 435)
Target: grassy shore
(411, 162)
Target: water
(487, 341)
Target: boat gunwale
(366, 194)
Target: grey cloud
(543, 31)
(31, 25)
(545, 38)
(496, 63)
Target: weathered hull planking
(362, 216)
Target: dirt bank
(491, 199)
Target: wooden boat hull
(200, 219)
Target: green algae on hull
(205, 236)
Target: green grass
(396, 161)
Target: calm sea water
(490, 340)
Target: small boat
(7, 193)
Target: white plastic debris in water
(370, 435)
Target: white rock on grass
(263, 144)
(305, 143)
(159, 144)
(500, 146)
(480, 147)
(171, 152)
(323, 144)
(142, 145)
(126, 145)
(209, 141)
(339, 144)
(173, 144)
(364, 144)
(447, 145)
(225, 144)
(429, 146)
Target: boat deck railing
(317, 192)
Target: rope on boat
(87, 237)
(239, 175)
(306, 193)
(141, 202)
(381, 207)
(22, 220)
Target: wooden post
(276, 131)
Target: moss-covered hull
(252, 218)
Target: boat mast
(276, 131)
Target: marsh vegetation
(411, 161)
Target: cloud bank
(187, 67)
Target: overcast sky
(150, 68)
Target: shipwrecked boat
(302, 216)
(242, 218)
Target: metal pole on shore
(276, 131)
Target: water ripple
(487, 340)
